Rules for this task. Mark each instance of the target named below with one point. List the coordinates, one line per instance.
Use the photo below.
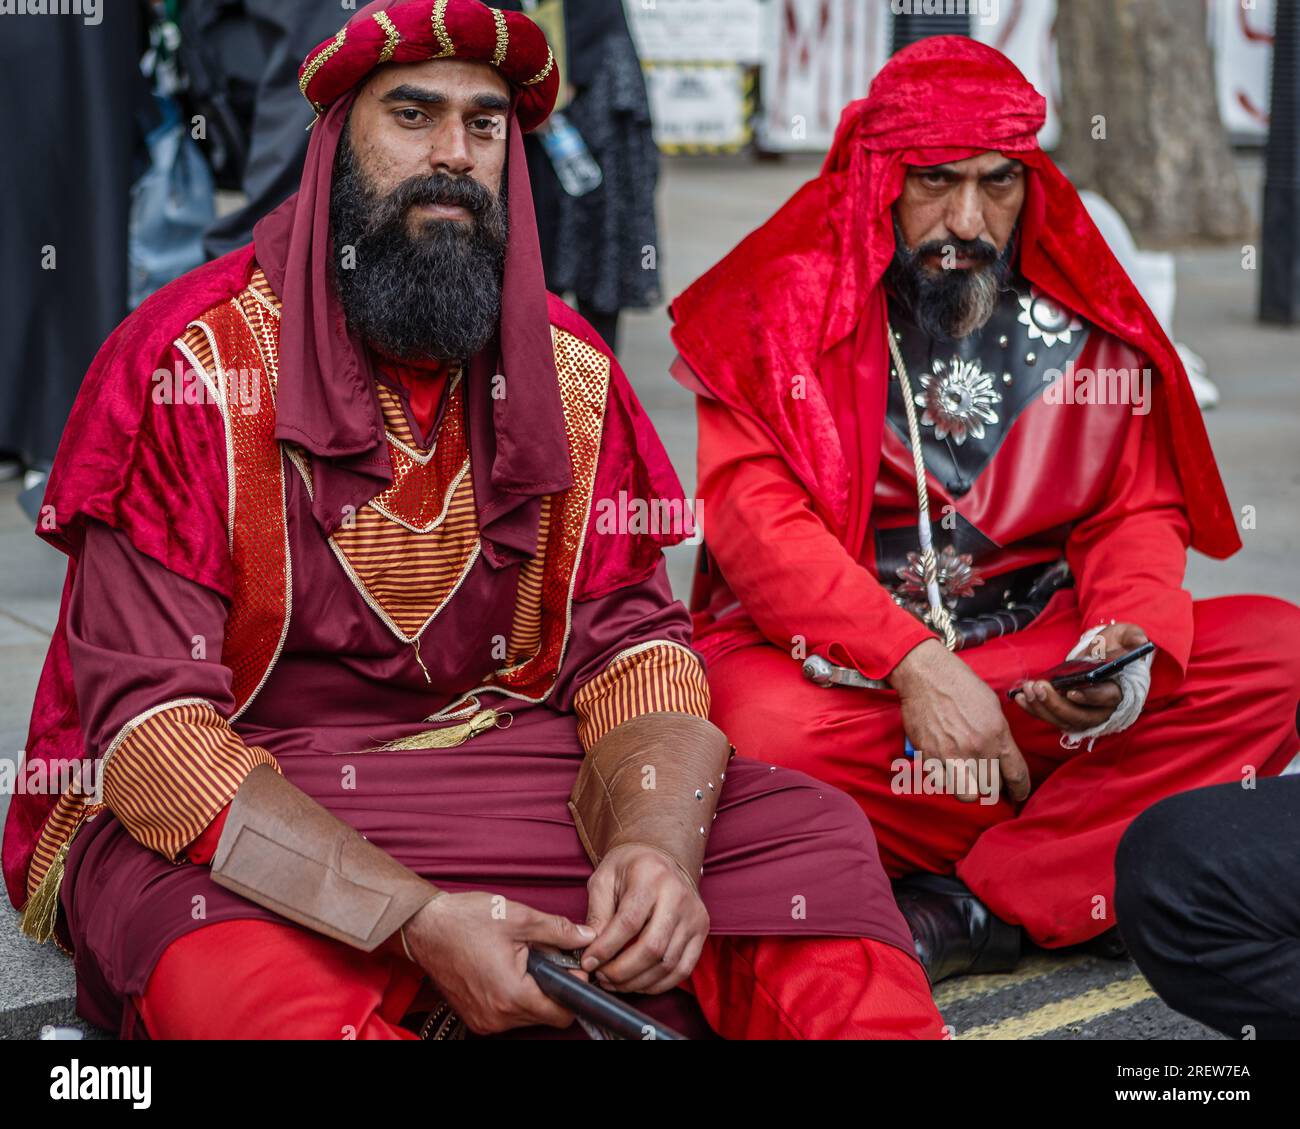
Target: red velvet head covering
(326, 399)
(807, 281)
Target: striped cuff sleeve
(654, 677)
(171, 771)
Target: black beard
(950, 304)
(434, 295)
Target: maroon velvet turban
(414, 31)
(802, 284)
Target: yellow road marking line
(972, 987)
(1116, 996)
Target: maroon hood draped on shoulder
(802, 296)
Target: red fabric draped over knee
(262, 980)
(813, 988)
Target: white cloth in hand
(1134, 683)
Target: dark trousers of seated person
(1208, 900)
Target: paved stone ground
(708, 205)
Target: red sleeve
(782, 561)
(608, 626)
(1129, 558)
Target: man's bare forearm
(919, 666)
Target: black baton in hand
(593, 1006)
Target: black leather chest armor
(969, 392)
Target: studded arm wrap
(654, 780)
(283, 850)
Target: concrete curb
(37, 985)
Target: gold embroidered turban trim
(413, 31)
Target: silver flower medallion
(958, 578)
(958, 400)
(1047, 319)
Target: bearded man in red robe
(935, 416)
(370, 694)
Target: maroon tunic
(489, 815)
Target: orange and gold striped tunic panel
(409, 548)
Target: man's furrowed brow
(491, 102)
(408, 93)
(1005, 169)
(423, 95)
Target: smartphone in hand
(1081, 672)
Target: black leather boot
(954, 932)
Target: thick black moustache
(441, 189)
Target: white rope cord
(938, 617)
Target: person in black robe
(70, 130)
(256, 47)
(601, 248)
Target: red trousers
(259, 980)
(1049, 865)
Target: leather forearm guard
(283, 850)
(654, 780)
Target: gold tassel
(446, 738)
(42, 909)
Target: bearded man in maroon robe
(371, 694)
(935, 417)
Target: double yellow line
(1116, 996)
